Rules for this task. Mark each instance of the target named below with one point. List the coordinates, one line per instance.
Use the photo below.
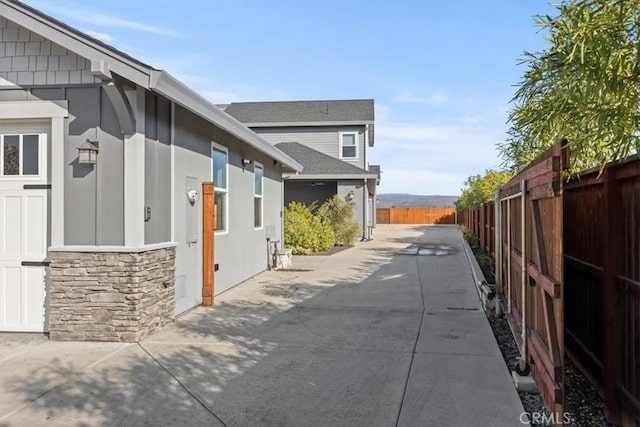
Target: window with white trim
(258, 181)
(20, 155)
(348, 145)
(220, 158)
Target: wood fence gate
(530, 270)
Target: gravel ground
(583, 405)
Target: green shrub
(468, 236)
(304, 233)
(339, 214)
(484, 261)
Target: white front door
(24, 235)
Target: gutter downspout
(365, 189)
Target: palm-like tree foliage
(584, 87)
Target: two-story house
(330, 140)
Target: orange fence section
(416, 215)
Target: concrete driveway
(388, 333)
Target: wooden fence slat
(598, 247)
(612, 357)
(416, 215)
(549, 284)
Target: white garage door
(24, 194)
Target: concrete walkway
(388, 333)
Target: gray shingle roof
(317, 163)
(352, 111)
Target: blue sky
(441, 72)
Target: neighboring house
(102, 165)
(330, 140)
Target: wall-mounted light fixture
(88, 152)
(246, 162)
(192, 196)
(349, 197)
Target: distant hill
(412, 200)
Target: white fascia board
(165, 84)
(330, 177)
(308, 124)
(76, 43)
(33, 109)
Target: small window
(20, 155)
(258, 178)
(348, 145)
(220, 159)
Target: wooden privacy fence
(602, 282)
(568, 269)
(529, 269)
(416, 215)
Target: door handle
(36, 187)
(35, 263)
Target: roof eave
(309, 123)
(332, 177)
(165, 84)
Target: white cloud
(107, 38)
(433, 100)
(462, 140)
(223, 97)
(423, 181)
(427, 158)
(382, 112)
(102, 19)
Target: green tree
(339, 214)
(481, 188)
(584, 87)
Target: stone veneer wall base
(106, 296)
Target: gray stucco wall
(325, 139)
(359, 191)
(241, 252)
